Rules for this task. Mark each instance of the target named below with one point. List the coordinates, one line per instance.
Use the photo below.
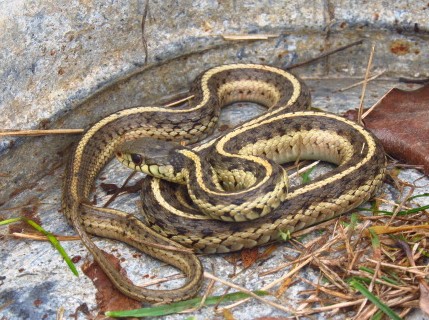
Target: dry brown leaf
(108, 297)
(227, 314)
(389, 229)
(401, 122)
(249, 256)
(424, 297)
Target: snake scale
(235, 179)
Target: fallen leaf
(401, 122)
(227, 314)
(249, 256)
(107, 296)
(390, 229)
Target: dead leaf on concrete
(401, 122)
(108, 297)
(249, 256)
(227, 314)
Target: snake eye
(137, 159)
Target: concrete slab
(67, 64)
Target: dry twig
(362, 97)
(361, 82)
(20, 133)
(143, 25)
(241, 37)
(327, 53)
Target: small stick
(162, 280)
(406, 269)
(319, 226)
(322, 288)
(239, 37)
(175, 103)
(328, 308)
(359, 119)
(250, 293)
(361, 82)
(115, 195)
(399, 208)
(308, 258)
(60, 313)
(25, 206)
(203, 299)
(367, 112)
(300, 64)
(18, 133)
(40, 237)
(144, 41)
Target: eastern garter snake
(245, 185)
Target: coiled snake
(235, 179)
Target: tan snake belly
(303, 134)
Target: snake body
(238, 180)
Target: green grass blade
(414, 210)
(56, 245)
(180, 306)
(400, 213)
(424, 252)
(418, 196)
(378, 315)
(354, 283)
(354, 220)
(50, 237)
(384, 278)
(366, 269)
(305, 177)
(375, 240)
(361, 279)
(8, 221)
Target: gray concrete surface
(66, 64)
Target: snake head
(154, 157)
